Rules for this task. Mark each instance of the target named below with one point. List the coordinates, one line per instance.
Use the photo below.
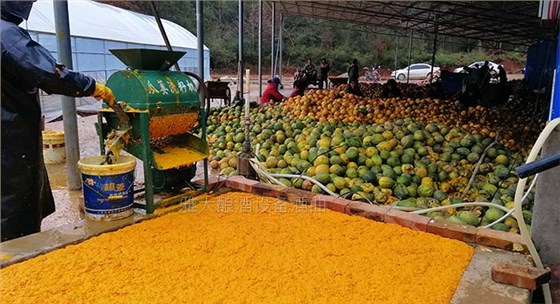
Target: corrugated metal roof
(514, 22)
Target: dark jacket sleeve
(38, 68)
(352, 73)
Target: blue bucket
(108, 189)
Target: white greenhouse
(96, 28)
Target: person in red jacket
(271, 92)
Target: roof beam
(456, 19)
(428, 31)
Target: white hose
(408, 209)
(307, 178)
(513, 209)
(480, 160)
(486, 204)
(262, 172)
(518, 199)
(505, 216)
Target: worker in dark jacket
(324, 68)
(495, 94)
(353, 71)
(354, 88)
(301, 82)
(390, 89)
(26, 68)
(311, 69)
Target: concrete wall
(546, 211)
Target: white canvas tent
(96, 28)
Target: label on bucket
(110, 194)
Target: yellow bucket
(108, 189)
(54, 150)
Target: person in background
(484, 74)
(311, 70)
(271, 93)
(476, 87)
(502, 74)
(435, 91)
(495, 94)
(390, 89)
(27, 67)
(479, 75)
(353, 71)
(354, 88)
(324, 68)
(301, 82)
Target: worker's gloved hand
(103, 92)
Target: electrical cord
(262, 172)
(509, 213)
(359, 194)
(485, 204)
(480, 160)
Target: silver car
(416, 71)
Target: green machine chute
(163, 109)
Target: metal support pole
(396, 53)
(244, 167)
(71, 141)
(409, 55)
(248, 88)
(434, 50)
(276, 55)
(260, 47)
(204, 110)
(240, 51)
(162, 31)
(247, 142)
(272, 39)
(203, 94)
(280, 45)
(200, 37)
(147, 163)
(200, 46)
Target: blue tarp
(555, 102)
(452, 83)
(540, 64)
